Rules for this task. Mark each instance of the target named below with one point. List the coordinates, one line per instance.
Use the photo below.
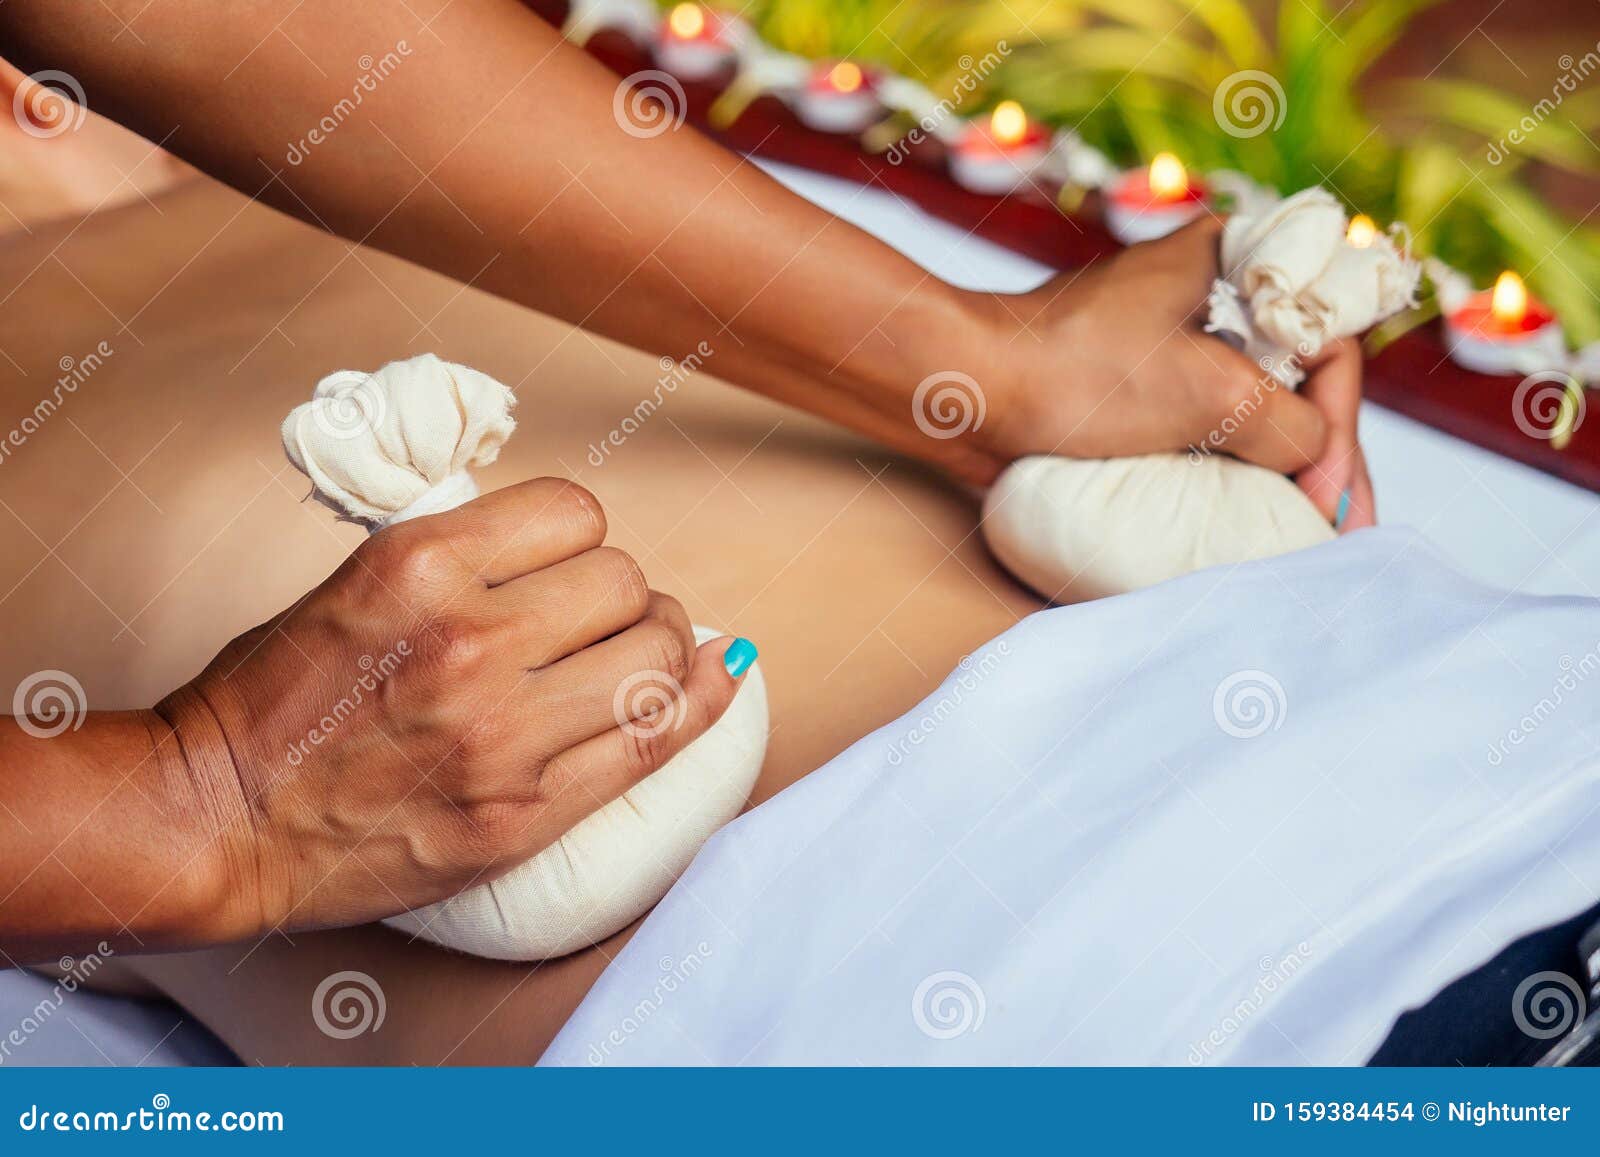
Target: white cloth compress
(1292, 282)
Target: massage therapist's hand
(1112, 361)
(444, 706)
(451, 700)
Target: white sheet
(85, 1028)
(1101, 854)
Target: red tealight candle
(997, 155)
(693, 43)
(1150, 203)
(839, 97)
(1504, 330)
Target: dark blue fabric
(1471, 1022)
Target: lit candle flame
(687, 21)
(1509, 305)
(845, 76)
(1363, 231)
(1169, 181)
(1008, 124)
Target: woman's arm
(439, 709)
(104, 835)
(489, 150)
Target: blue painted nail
(1343, 511)
(739, 656)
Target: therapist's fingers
(619, 680)
(598, 770)
(1270, 425)
(1232, 400)
(1265, 423)
(574, 604)
(1336, 480)
(515, 530)
(1362, 509)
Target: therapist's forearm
(490, 151)
(107, 836)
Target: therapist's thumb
(1336, 481)
(1272, 426)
